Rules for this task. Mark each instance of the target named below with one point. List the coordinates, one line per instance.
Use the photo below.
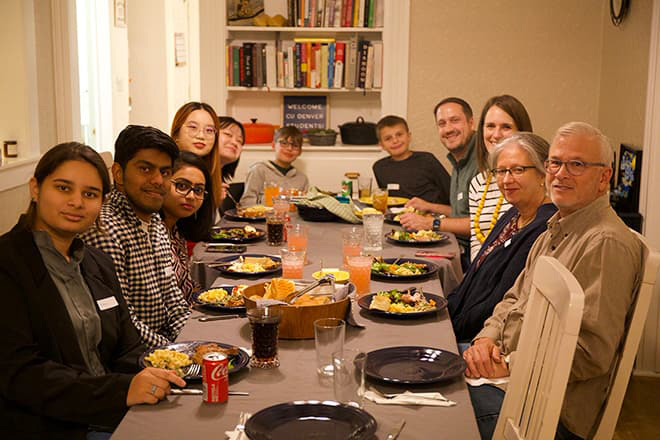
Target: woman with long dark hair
(68, 349)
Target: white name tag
(169, 271)
(507, 243)
(459, 196)
(393, 186)
(107, 303)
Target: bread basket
(298, 321)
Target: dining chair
(548, 337)
(604, 428)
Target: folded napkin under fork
(408, 398)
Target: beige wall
(15, 201)
(563, 59)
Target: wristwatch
(437, 221)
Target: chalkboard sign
(305, 112)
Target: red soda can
(215, 377)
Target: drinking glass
(348, 367)
(372, 225)
(359, 269)
(379, 199)
(275, 228)
(293, 263)
(328, 338)
(281, 204)
(271, 189)
(364, 186)
(264, 322)
(351, 241)
(297, 237)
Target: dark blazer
(473, 301)
(45, 389)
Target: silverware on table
(193, 391)
(193, 370)
(395, 434)
(217, 318)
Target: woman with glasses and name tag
(188, 214)
(68, 349)
(517, 165)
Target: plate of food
(391, 201)
(394, 217)
(246, 234)
(221, 298)
(179, 356)
(256, 213)
(413, 365)
(248, 264)
(401, 269)
(397, 303)
(418, 238)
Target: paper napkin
(408, 398)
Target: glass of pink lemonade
(293, 263)
(297, 237)
(359, 268)
(351, 241)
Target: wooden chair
(604, 429)
(548, 337)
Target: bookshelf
(345, 105)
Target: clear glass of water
(372, 225)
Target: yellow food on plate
(169, 360)
(380, 303)
(391, 201)
(341, 276)
(254, 211)
(214, 296)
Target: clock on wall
(618, 10)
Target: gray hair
(534, 145)
(582, 128)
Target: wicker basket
(322, 139)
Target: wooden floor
(640, 414)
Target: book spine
(351, 60)
(331, 65)
(229, 66)
(362, 66)
(257, 80)
(291, 72)
(378, 64)
(369, 79)
(324, 66)
(301, 75)
(356, 13)
(270, 55)
(280, 68)
(307, 47)
(339, 65)
(361, 12)
(338, 4)
(370, 18)
(316, 82)
(236, 77)
(242, 66)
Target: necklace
(477, 229)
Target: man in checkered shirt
(130, 230)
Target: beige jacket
(606, 259)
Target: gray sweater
(265, 171)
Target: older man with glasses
(604, 256)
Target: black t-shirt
(421, 175)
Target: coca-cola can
(215, 377)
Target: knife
(217, 318)
(395, 435)
(181, 391)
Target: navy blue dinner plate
(312, 419)
(431, 268)
(440, 304)
(215, 306)
(231, 214)
(413, 365)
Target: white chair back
(634, 329)
(544, 356)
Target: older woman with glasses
(517, 164)
(188, 214)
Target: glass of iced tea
(271, 189)
(275, 228)
(364, 186)
(359, 268)
(264, 322)
(379, 199)
(293, 264)
(351, 242)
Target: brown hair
(289, 132)
(390, 121)
(513, 108)
(213, 158)
(228, 170)
(467, 110)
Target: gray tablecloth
(296, 378)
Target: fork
(193, 370)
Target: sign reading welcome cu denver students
(305, 112)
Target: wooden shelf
(304, 29)
(299, 89)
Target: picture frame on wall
(305, 112)
(625, 196)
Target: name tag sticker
(169, 271)
(393, 186)
(107, 303)
(507, 243)
(459, 196)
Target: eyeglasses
(573, 167)
(208, 131)
(184, 188)
(290, 145)
(501, 173)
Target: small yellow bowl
(341, 276)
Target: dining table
(296, 379)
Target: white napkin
(239, 434)
(408, 398)
(484, 381)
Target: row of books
(305, 62)
(335, 13)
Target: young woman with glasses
(188, 214)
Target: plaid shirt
(144, 268)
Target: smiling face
(145, 180)
(197, 134)
(230, 144)
(69, 200)
(396, 141)
(286, 151)
(571, 193)
(498, 125)
(524, 190)
(454, 127)
(177, 205)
